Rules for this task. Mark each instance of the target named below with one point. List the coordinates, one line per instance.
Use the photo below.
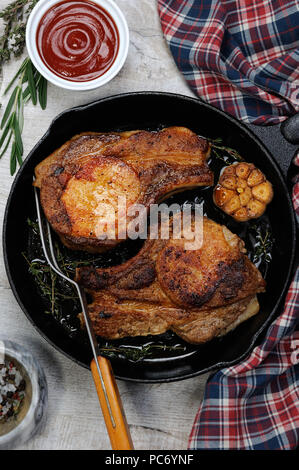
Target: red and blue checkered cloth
(242, 56)
(255, 404)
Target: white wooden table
(160, 416)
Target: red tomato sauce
(77, 40)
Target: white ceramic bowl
(34, 408)
(36, 15)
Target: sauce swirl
(77, 40)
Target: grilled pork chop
(199, 294)
(93, 170)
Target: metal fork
(101, 369)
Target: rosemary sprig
(13, 117)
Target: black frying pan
(152, 110)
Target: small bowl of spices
(77, 44)
(23, 395)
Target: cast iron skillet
(152, 110)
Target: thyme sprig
(15, 16)
(139, 353)
(263, 243)
(31, 85)
(227, 154)
(46, 280)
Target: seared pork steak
(199, 294)
(94, 169)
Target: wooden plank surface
(160, 416)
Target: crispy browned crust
(196, 293)
(113, 319)
(149, 165)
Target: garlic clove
(241, 215)
(255, 177)
(255, 208)
(228, 182)
(243, 170)
(222, 195)
(232, 205)
(245, 196)
(263, 192)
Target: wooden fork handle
(117, 428)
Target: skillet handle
(290, 129)
(118, 431)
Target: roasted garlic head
(243, 192)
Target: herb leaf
(7, 144)
(18, 138)
(42, 92)
(21, 69)
(5, 132)
(9, 106)
(13, 159)
(31, 83)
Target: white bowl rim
(114, 11)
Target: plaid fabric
(241, 56)
(255, 404)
